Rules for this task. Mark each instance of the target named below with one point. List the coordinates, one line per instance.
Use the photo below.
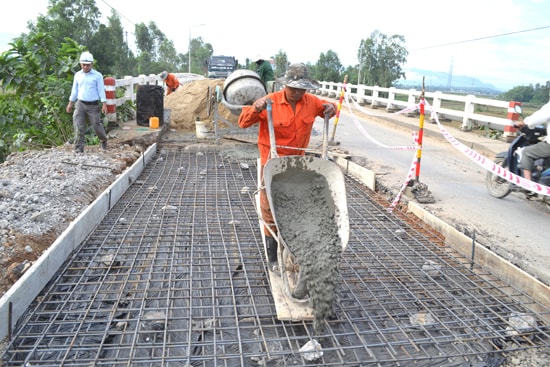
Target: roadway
(513, 227)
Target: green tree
(520, 94)
(110, 49)
(146, 48)
(542, 93)
(78, 20)
(328, 67)
(200, 54)
(281, 63)
(381, 58)
(36, 82)
(352, 73)
(167, 55)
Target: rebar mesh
(175, 276)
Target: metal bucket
(241, 88)
(202, 129)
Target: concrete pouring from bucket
(242, 87)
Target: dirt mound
(197, 99)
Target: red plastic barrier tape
(489, 165)
(410, 174)
(366, 134)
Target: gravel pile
(41, 192)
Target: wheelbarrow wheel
(291, 275)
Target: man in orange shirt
(293, 112)
(172, 83)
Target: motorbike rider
(540, 150)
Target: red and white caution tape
(366, 134)
(488, 164)
(481, 160)
(410, 175)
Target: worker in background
(172, 83)
(293, 112)
(265, 71)
(87, 92)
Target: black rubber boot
(271, 245)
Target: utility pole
(360, 63)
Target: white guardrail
(130, 84)
(372, 95)
(389, 98)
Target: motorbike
(497, 186)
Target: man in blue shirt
(88, 90)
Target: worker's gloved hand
(260, 104)
(330, 109)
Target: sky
(502, 42)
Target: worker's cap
(86, 58)
(260, 57)
(163, 75)
(297, 76)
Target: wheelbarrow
(307, 197)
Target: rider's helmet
(163, 75)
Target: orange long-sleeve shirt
(172, 83)
(291, 129)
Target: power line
(119, 13)
(482, 38)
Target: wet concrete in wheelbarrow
(305, 213)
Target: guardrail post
(469, 108)
(326, 90)
(130, 92)
(436, 105)
(374, 103)
(361, 94)
(391, 98)
(110, 93)
(510, 132)
(411, 100)
(333, 90)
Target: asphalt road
(515, 228)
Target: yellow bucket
(154, 122)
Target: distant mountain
(441, 81)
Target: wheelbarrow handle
(271, 129)
(324, 153)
